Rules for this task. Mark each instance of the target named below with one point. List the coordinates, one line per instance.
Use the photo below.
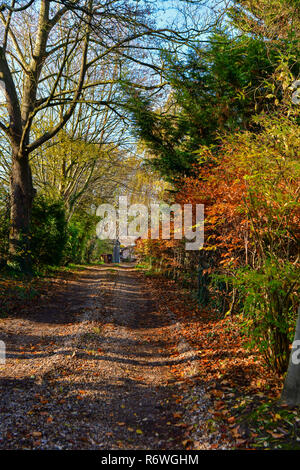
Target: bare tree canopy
(54, 55)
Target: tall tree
(215, 89)
(50, 55)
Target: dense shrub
(49, 231)
(269, 303)
(81, 238)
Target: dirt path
(90, 368)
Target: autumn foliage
(250, 189)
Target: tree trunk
(21, 193)
(291, 389)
